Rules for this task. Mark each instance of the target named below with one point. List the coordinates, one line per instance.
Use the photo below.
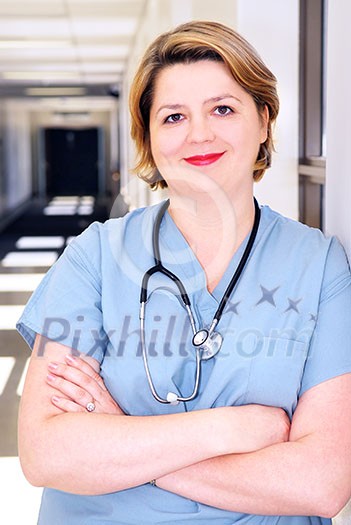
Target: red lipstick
(204, 160)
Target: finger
(66, 405)
(77, 377)
(74, 392)
(80, 364)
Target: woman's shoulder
(300, 243)
(290, 231)
(103, 240)
(131, 222)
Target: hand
(80, 383)
(265, 425)
(249, 428)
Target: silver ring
(90, 407)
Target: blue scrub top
(286, 328)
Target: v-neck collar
(176, 252)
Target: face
(203, 121)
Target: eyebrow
(212, 99)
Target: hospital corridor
(67, 158)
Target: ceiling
(48, 46)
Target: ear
(264, 116)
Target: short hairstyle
(188, 43)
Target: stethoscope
(207, 342)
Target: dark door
(71, 157)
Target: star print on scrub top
(267, 296)
(293, 305)
(233, 307)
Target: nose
(200, 130)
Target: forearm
(108, 451)
(99, 453)
(294, 478)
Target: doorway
(72, 161)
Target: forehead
(205, 79)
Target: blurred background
(66, 155)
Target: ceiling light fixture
(55, 91)
(39, 75)
(19, 44)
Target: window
(312, 142)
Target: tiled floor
(27, 249)
(26, 252)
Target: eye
(172, 119)
(223, 111)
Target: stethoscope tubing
(173, 398)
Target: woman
(196, 398)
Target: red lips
(204, 160)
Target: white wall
(274, 31)
(17, 155)
(272, 27)
(338, 176)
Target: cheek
(164, 146)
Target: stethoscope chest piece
(209, 344)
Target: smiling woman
(258, 303)
(217, 126)
(189, 45)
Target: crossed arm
(255, 467)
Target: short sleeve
(330, 348)
(66, 307)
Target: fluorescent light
(55, 92)
(102, 51)
(19, 282)
(101, 67)
(6, 367)
(39, 75)
(22, 259)
(109, 27)
(9, 316)
(20, 44)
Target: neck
(214, 228)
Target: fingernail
(55, 399)
(70, 358)
(50, 377)
(52, 366)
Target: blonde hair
(192, 42)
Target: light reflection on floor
(70, 206)
(9, 315)
(19, 282)
(19, 500)
(36, 242)
(23, 264)
(22, 259)
(6, 365)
